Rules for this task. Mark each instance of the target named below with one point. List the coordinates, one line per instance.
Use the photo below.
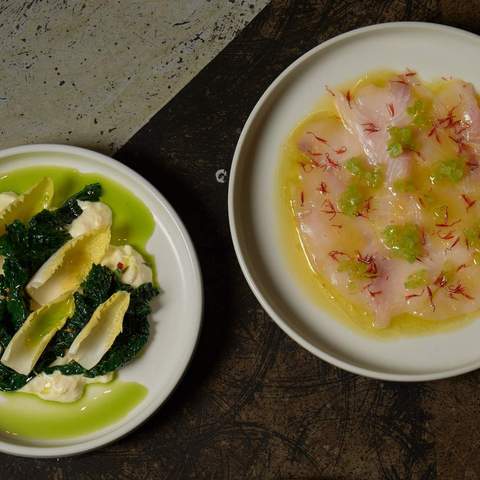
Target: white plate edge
(379, 375)
(143, 415)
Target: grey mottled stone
(91, 73)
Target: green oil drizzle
(24, 415)
(52, 318)
(132, 220)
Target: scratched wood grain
(254, 404)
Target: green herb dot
(452, 170)
(417, 279)
(372, 178)
(419, 113)
(403, 185)
(351, 201)
(356, 270)
(401, 138)
(404, 241)
(395, 149)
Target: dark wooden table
(253, 404)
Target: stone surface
(91, 73)
(253, 404)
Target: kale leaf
(71, 210)
(10, 380)
(95, 289)
(26, 246)
(99, 285)
(90, 193)
(135, 333)
(31, 244)
(14, 303)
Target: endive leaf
(30, 341)
(28, 204)
(65, 270)
(98, 335)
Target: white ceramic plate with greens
(253, 190)
(176, 318)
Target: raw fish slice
(96, 338)
(28, 204)
(67, 267)
(455, 130)
(386, 293)
(369, 116)
(400, 208)
(390, 297)
(457, 99)
(327, 142)
(332, 240)
(323, 179)
(30, 340)
(322, 227)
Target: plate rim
(144, 414)
(257, 291)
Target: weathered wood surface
(253, 404)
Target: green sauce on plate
(27, 416)
(24, 414)
(132, 221)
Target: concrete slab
(91, 73)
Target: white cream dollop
(135, 271)
(57, 387)
(95, 215)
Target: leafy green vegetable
(401, 138)
(90, 193)
(31, 244)
(71, 210)
(136, 330)
(96, 289)
(351, 200)
(99, 285)
(417, 279)
(12, 292)
(10, 380)
(26, 246)
(372, 178)
(404, 241)
(452, 170)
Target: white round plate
(175, 324)
(431, 50)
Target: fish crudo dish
(383, 184)
(74, 305)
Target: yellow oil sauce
(317, 287)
